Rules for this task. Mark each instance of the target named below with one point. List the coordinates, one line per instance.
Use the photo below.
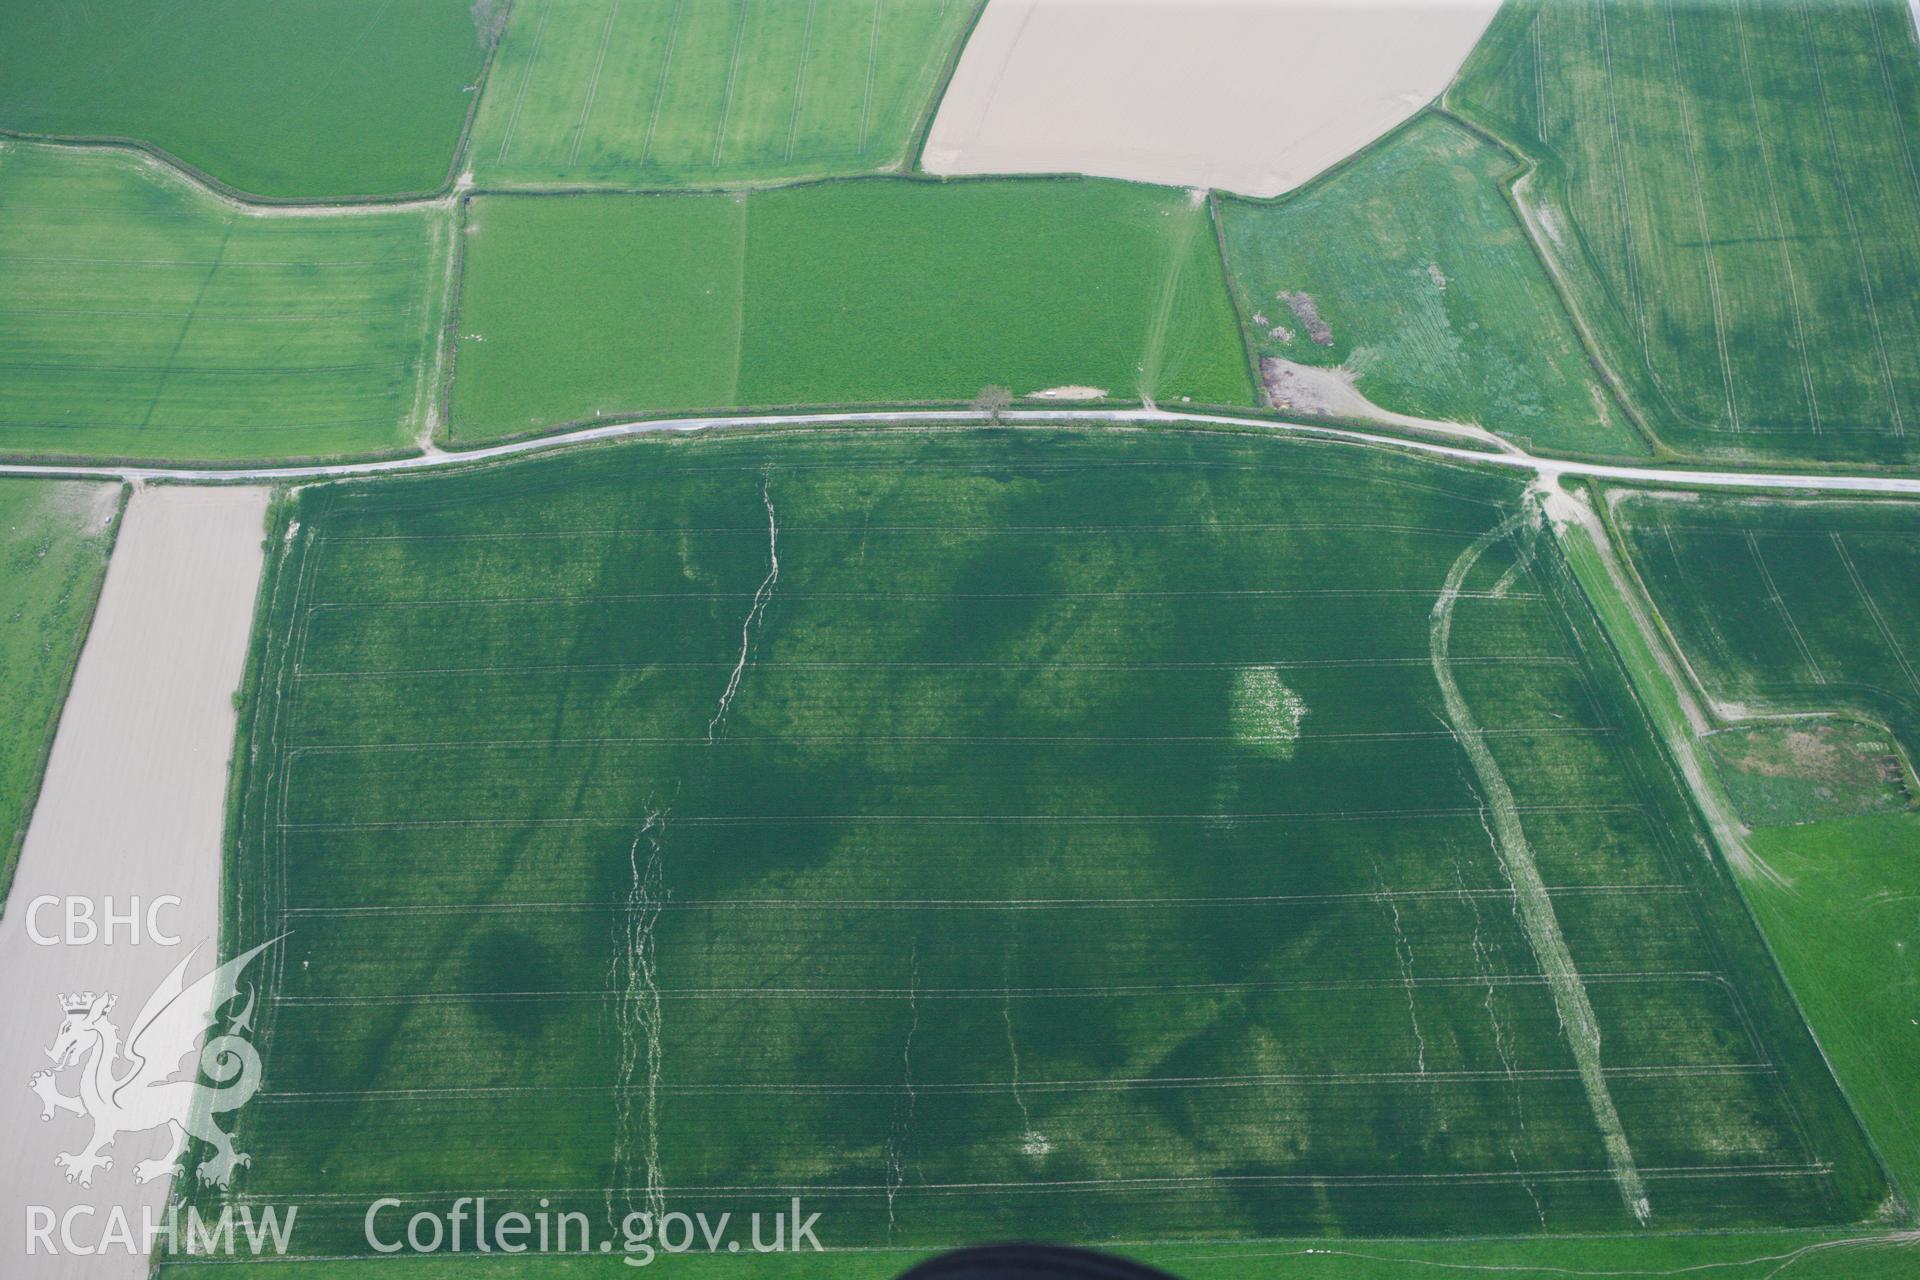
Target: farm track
(1513, 458)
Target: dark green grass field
(328, 99)
(987, 834)
(54, 539)
(1732, 192)
(1435, 299)
(1789, 604)
(707, 92)
(141, 318)
(849, 293)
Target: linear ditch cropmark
(633, 976)
(1780, 606)
(800, 81)
(902, 1123)
(1839, 171)
(593, 84)
(1532, 902)
(733, 77)
(526, 78)
(1779, 222)
(660, 85)
(1873, 610)
(1680, 97)
(718, 724)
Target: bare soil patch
(1253, 96)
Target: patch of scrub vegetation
(142, 318)
(327, 99)
(871, 812)
(1731, 195)
(851, 293)
(1779, 774)
(1408, 269)
(54, 540)
(708, 92)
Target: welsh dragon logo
(152, 1089)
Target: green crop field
(1732, 193)
(991, 834)
(868, 292)
(1842, 922)
(1800, 1255)
(1789, 604)
(1808, 605)
(330, 99)
(1434, 298)
(54, 539)
(708, 92)
(142, 318)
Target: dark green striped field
(1798, 604)
(991, 835)
(1731, 192)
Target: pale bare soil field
(1252, 96)
(132, 808)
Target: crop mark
(1893, 99)
(800, 81)
(1622, 188)
(633, 977)
(873, 59)
(1168, 990)
(593, 84)
(1539, 79)
(1839, 171)
(1779, 222)
(1780, 606)
(1064, 1087)
(526, 78)
(903, 1112)
(186, 326)
(1153, 349)
(1403, 957)
(754, 613)
(733, 76)
(1873, 608)
(1682, 98)
(812, 906)
(660, 86)
(1533, 904)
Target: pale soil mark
(1533, 904)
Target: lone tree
(992, 401)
